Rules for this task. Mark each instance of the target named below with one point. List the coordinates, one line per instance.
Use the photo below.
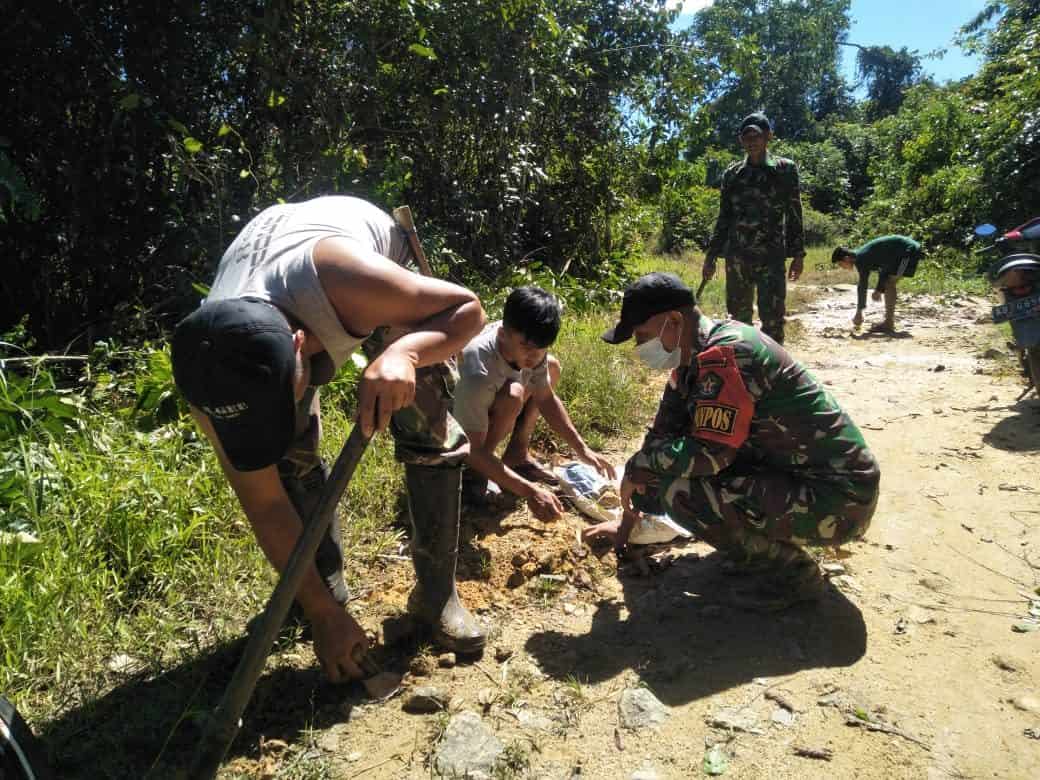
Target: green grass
(602, 386)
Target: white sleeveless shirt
(271, 259)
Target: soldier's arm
(684, 456)
(793, 224)
(699, 436)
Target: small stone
(1026, 703)
(647, 773)
(569, 608)
(426, 698)
(446, 661)
(847, 583)
(1007, 664)
(468, 748)
(421, 666)
(547, 562)
(503, 654)
(919, 615)
(638, 708)
(519, 560)
(937, 410)
(354, 757)
(529, 569)
(735, 720)
(486, 697)
(782, 717)
(532, 721)
(833, 568)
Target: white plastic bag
(597, 497)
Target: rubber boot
(434, 501)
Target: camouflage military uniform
(752, 455)
(424, 433)
(759, 225)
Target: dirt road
(914, 647)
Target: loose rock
(919, 615)
(532, 720)
(1026, 703)
(782, 717)
(468, 748)
(446, 661)
(425, 699)
(735, 720)
(1006, 663)
(638, 708)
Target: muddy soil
(915, 646)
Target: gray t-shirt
(482, 373)
(271, 259)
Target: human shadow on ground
(1020, 432)
(685, 642)
(151, 726)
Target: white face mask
(656, 356)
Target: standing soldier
(759, 226)
(301, 287)
(748, 451)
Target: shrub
(820, 228)
(687, 217)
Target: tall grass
(603, 387)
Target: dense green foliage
(145, 136)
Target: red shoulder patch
(723, 407)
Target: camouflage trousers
(768, 275)
(424, 433)
(756, 513)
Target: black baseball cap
(235, 361)
(757, 121)
(646, 296)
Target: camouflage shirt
(760, 211)
(745, 404)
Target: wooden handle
(403, 217)
(224, 722)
